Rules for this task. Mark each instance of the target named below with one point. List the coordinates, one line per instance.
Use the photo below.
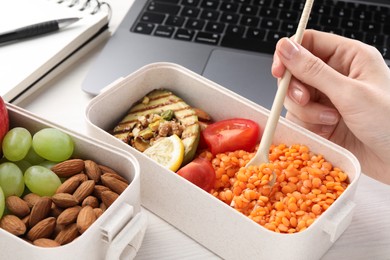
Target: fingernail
(288, 48)
(328, 117)
(275, 62)
(296, 95)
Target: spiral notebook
(26, 65)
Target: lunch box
(209, 221)
(117, 233)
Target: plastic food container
(197, 213)
(117, 234)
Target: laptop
(229, 42)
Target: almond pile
(89, 189)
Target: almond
(40, 210)
(85, 218)
(68, 216)
(98, 191)
(80, 176)
(13, 224)
(90, 201)
(31, 199)
(26, 220)
(108, 197)
(17, 206)
(43, 229)
(68, 168)
(92, 170)
(113, 183)
(117, 176)
(68, 186)
(46, 242)
(55, 210)
(106, 169)
(64, 200)
(85, 189)
(67, 234)
(98, 212)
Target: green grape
(11, 179)
(32, 157)
(41, 180)
(2, 202)
(16, 143)
(53, 144)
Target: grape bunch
(27, 159)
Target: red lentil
(306, 185)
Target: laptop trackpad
(247, 75)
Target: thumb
(309, 69)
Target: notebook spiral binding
(93, 6)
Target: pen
(36, 29)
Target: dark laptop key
(385, 51)
(371, 27)
(190, 12)
(342, 13)
(210, 4)
(329, 21)
(229, 18)
(298, 6)
(350, 25)
(362, 15)
(274, 36)
(249, 10)
(374, 39)
(194, 24)
(383, 17)
(248, 20)
(145, 28)
(163, 8)
(209, 38)
(288, 26)
(320, 9)
(289, 15)
(282, 4)
(269, 12)
(271, 24)
(229, 7)
(257, 34)
(164, 31)
(265, 3)
(215, 27)
(175, 21)
(209, 15)
(235, 31)
(184, 34)
(152, 17)
(190, 2)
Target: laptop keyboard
(256, 25)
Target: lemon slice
(169, 152)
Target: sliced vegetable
(231, 135)
(169, 152)
(160, 113)
(200, 172)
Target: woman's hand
(340, 89)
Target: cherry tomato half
(200, 172)
(231, 135)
